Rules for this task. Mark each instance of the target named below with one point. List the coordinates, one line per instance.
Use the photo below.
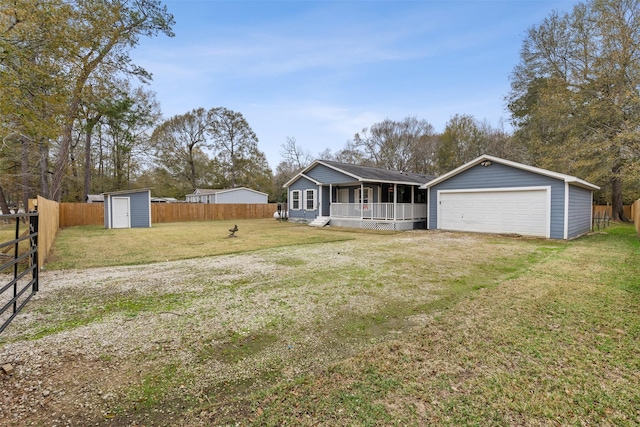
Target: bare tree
(395, 144)
(293, 154)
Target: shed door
(520, 211)
(120, 212)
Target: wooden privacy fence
(182, 212)
(635, 214)
(600, 210)
(72, 214)
(81, 214)
(48, 225)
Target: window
(310, 200)
(295, 200)
(405, 194)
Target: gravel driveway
(155, 344)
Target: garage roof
(491, 159)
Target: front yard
(293, 325)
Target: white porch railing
(379, 211)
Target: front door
(325, 200)
(120, 212)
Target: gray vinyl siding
(239, 196)
(139, 205)
(302, 214)
(501, 176)
(195, 198)
(579, 211)
(327, 175)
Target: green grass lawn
(8, 233)
(293, 325)
(558, 344)
(94, 246)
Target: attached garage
(493, 195)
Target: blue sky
(320, 71)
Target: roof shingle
(379, 174)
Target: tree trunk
(73, 162)
(617, 208)
(24, 172)
(192, 167)
(91, 123)
(4, 206)
(87, 163)
(43, 151)
(101, 155)
(117, 167)
(63, 153)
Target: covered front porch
(379, 211)
(373, 205)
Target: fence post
(33, 224)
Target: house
(127, 209)
(493, 195)
(164, 200)
(346, 195)
(241, 195)
(94, 198)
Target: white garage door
(520, 211)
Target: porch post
(395, 202)
(412, 200)
(330, 198)
(361, 200)
(320, 200)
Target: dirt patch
(162, 343)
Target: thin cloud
(322, 71)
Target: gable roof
(137, 190)
(485, 157)
(94, 198)
(365, 173)
(205, 191)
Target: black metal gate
(18, 266)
